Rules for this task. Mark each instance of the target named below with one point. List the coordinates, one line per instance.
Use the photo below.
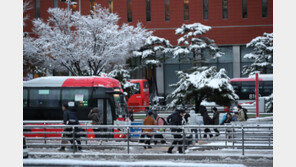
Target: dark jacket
(216, 118)
(95, 118)
(175, 119)
(66, 116)
(206, 118)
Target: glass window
(186, 9)
(224, 9)
(170, 76)
(244, 50)
(109, 114)
(110, 4)
(167, 10)
(207, 56)
(101, 109)
(129, 11)
(186, 58)
(146, 85)
(245, 8)
(44, 97)
(264, 8)
(228, 67)
(268, 88)
(148, 10)
(78, 95)
(120, 105)
(25, 97)
(92, 4)
(248, 90)
(55, 3)
(137, 88)
(169, 58)
(205, 9)
(37, 8)
(228, 55)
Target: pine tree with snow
(123, 76)
(194, 41)
(84, 44)
(269, 103)
(262, 55)
(151, 54)
(205, 83)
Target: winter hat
(180, 111)
(150, 113)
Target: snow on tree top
(196, 27)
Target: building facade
(234, 23)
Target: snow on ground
(122, 164)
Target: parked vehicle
(140, 99)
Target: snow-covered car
(25, 149)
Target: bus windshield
(120, 105)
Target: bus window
(236, 87)
(25, 97)
(44, 97)
(137, 88)
(120, 105)
(268, 88)
(248, 90)
(80, 95)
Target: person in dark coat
(70, 118)
(176, 119)
(216, 119)
(94, 115)
(207, 120)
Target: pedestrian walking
(216, 120)
(149, 120)
(207, 121)
(241, 113)
(193, 120)
(70, 118)
(160, 121)
(176, 119)
(94, 115)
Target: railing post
(243, 141)
(128, 138)
(184, 135)
(44, 133)
(226, 135)
(73, 131)
(269, 135)
(86, 134)
(232, 136)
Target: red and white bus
(140, 99)
(245, 87)
(44, 96)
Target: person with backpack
(160, 121)
(176, 119)
(96, 119)
(70, 118)
(242, 113)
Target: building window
(37, 8)
(55, 3)
(110, 5)
(264, 8)
(167, 10)
(148, 10)
(205, 9)
(186, 9)
(129, 11)
(74, 7)
(224, 9)
(245, 8)
(92, 5)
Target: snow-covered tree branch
(204, 83)
(26, 7)
(85, 44)
(194, 41)
(262, 55)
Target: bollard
(243, 141)
(128, 138)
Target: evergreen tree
(262, 55)
(205, 83)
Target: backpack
(245, 112)
(164, 121)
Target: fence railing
(235, 136)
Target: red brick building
(234, 23)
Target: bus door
(106, 115)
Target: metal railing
(235, 136)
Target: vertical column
(236, 61)
(160, 79)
